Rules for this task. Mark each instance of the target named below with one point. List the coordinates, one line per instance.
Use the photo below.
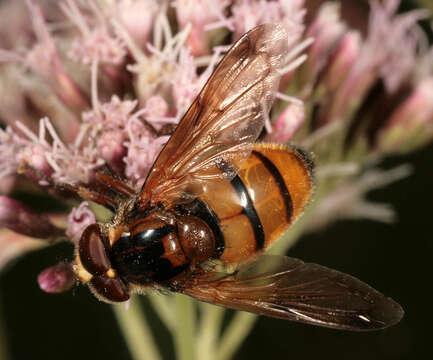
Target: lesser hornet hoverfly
(214, 195)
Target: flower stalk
(137, 332)
(235, 334)
(185, 332)
(209, 329)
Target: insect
(214, 200)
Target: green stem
(236, 332)
(136, 332)
(184, 335)
(163, 306)
(209, 330)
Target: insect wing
(226, 117)
(288, 288)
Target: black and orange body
(233, 221)
(141, 257)
(216, 197)
(249, 212)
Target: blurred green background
(396, 259)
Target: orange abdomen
(258, 205)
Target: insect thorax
(161, 246)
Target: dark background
(395, 259)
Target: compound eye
(109, 290)
(93, 252)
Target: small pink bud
(98, 44)
(68, 90)
(23, 220)
(16, 32)
(351, 92)
(45, 59)
(95, 42)
(34, 156)
(286, 125)
(156, 106)
(7, 184)
(343, 59)
(247, 14)
(57, 278)
(113, 114)
(137, 18)
(198, 14)
(111, 148)
(199, 42)
(327, 29)
(389, 53)
(78, 220)
(411, 124)
(143, 148)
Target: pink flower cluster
(137, 84)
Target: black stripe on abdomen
(246, 203)
(285, 194)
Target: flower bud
(246, 15)
(199, 14)
(388, 53)
(326, 30)
(343, 59)
(142, 152)
(45, 59)
(78, 220)
(156, 106)
(286, 125)
(411, 124)
(137, 18)
(111, 149)
(34, 156)
(57, 278)
(7, 184)
(16, 31)
(23, 220)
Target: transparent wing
(226, 117)
(290, 289)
